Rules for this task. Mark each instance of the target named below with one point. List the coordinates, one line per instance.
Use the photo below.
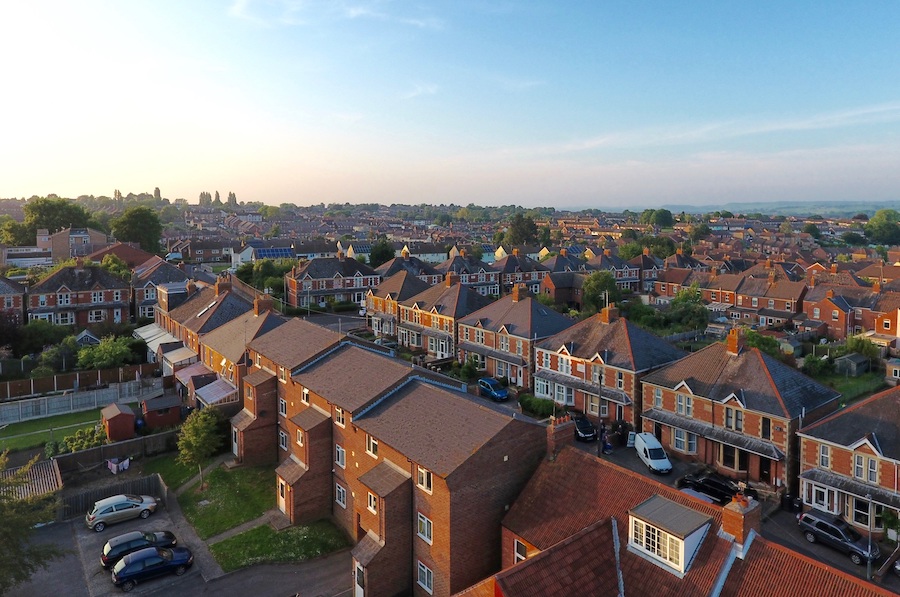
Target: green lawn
(218, 269)
(40, 429)
(263, 545)
(231, 498)
(175, 475)
(855, 387)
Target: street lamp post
(869, 554)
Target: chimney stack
(560, 432)
(515, 252)
(223, 284)
(609, 314)
(340, 255)
(829, 293)
(739, 518)
(563, 252)
(679, 251)
(190, 288)
(834, 268)
(876, 287)
(647, 251)
(519, 292)
(405, 254)
(735, 341)
(452, 278)
(263, 303)
(607, 252)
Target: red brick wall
(508, 557)
(259, 444)
(391, 572)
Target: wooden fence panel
(148, 445)
(74, 506)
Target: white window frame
(824, 456)
(372, 505)
(300, 437)
(872, 470)
(282, 407)
(859, 470)
(425, 528)
(657, 398)
(657, 543)
(340, 456)
(304, 395)
(96, 296)
(63, 298)
(340, 495)
(425, 577)
(282, 439)
(339, 418)
(371, 446)
(520, 552)
(684, 441)
(424, 480)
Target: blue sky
(571, 104)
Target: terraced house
(850, 462)
(80, 295)
(736, 409)
(338, 278)
(596, 366)
(383, 301)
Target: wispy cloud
(269, 13)
(420, 89)
(711, 132)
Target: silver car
(118, 508)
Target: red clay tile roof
(295, 342)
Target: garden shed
(853, 364)
(163, 411)
(118, 421)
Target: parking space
(90, 544)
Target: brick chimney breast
(740, 517)
(452, 278)
(735, 341)
(563, 252)
(560, 432)
(262, 303)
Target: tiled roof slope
(463, 264)
(205, 311)
(79, 279)
(420, 416)
(877, 417)
(351, 376)
(619, 343)
(295, 342)
(332, 267)
(8, 286)
(230, 340)
(401, 285)
(158, 271)
(759, 381)
(456, 301)
(526, 318)
(413, 265)
(775, 571)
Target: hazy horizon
(592, 105)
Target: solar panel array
(275, 253)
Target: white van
(651, 452)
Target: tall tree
(599, 289)
(199, 439)
(522, 231)
(382, 252)
(54, 214)
(883, 227)
(141, 225)
(22, 556)
(156, 194)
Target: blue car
(149, 563)
(490, 387)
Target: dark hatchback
(584, 429)
(118, 547)
(718, 487)
(150, 562)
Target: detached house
(596, 366)
(502, 335)
(337, 278)
(849, 462)
(80, 295)
(147, 277)
(734, 408)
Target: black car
(150, 562)
(584, 429)
(718, 487)
(118, 547)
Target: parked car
(150, 562)
(118, 547)
(651, 453)
(490, 387)
(584, 429)
(118, 508)
(387, 343)
(831, 530)
(718, 487)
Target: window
(541, 387)
(67, 318)
(620, 380)
(545, 359)
(95, 316)
(656, 542)
(872, 471)
(340, 456)
(734, 418)
(593, 404)
(565, 395)
(282, 375)
(282, 407)
(282, 439)
(834, 315)
(300, 437)
(858, 466)
(886, 324)
(425, 528)
(861, 513)
(96, 297)
(766, 432)
(371, 446)
(150, 294)
(771, 303)
(479, 336)
(816, 313)
(685, 442)
(257, 360)
(339, 416)
(503, 343)
(340, 495)
(117, 295)
(521, 552)
(754, 302)
(684, 405)
(304, 396)
(373, 503)
(42, 300)
(734, 458)
(423, 479)
(824, 456)
(565, 365)
(597, 375)
(426, 578)
(657, 398)
(63, 298)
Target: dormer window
(666, 533)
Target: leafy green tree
(544, 236)
(786, 228)
(37, 334)
(816, 366)
(812, 230)
(522, 231)
(599, 289)
(110, 353)
(853, 239)
(662, 218)
(21, 555)
(699, 231)
(16, 234)
(200, 438)
(767, 344)
(476, 251)
(630, 251)
(62, 356)
(382, 252)
(883, 228)
(140, 225)
(114, 265)
(54, 214)
(863, 346)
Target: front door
(765, 470)
(282, 489)
(359, 586)
(234, 441)
(657, 431)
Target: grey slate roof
(206, 311)
(715, 432)
(8, 286)
(410, 264)
(455, 301)
(876, 418)
(525, 318)
(758, 381)
(79, 279)
(333, 267)
(619, 343)
(400, 285)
